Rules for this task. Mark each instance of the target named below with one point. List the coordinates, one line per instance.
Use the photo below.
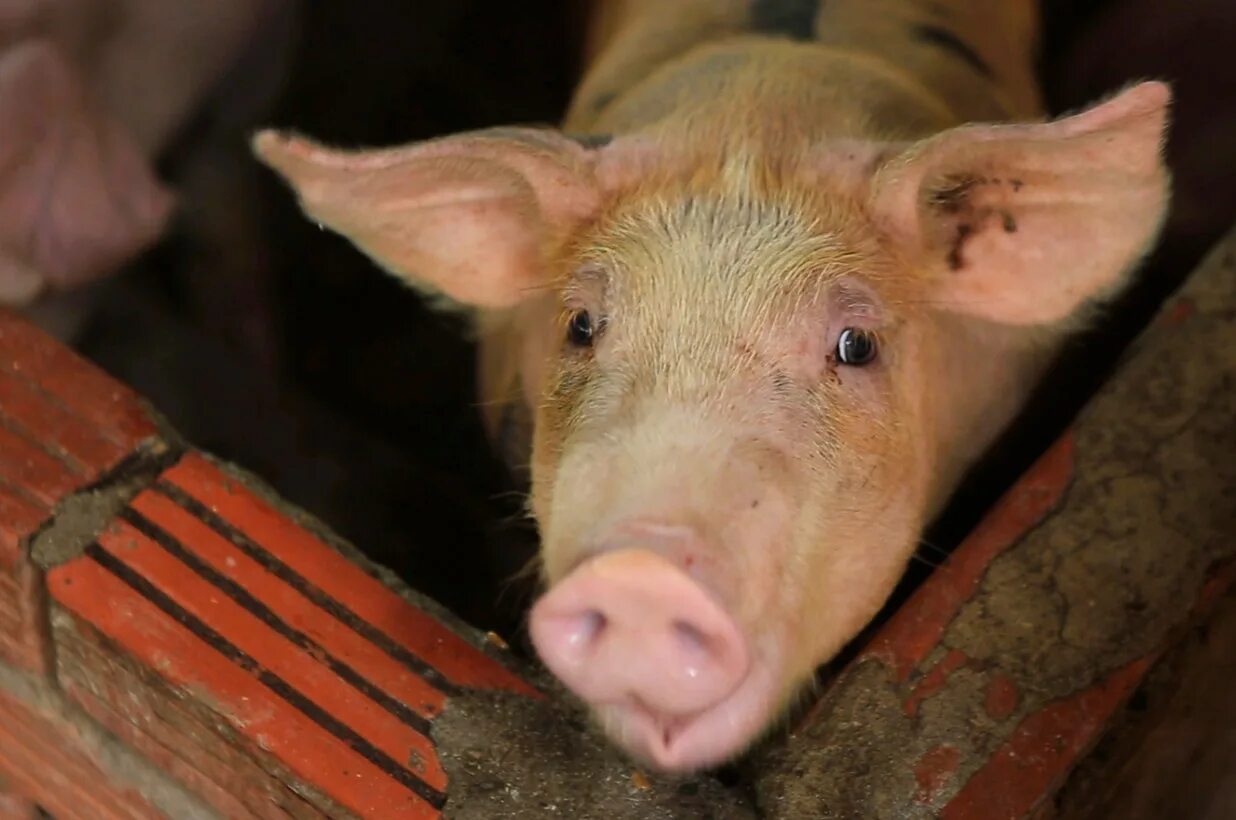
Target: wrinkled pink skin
(722, 503)
(91, 92)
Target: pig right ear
(1024, 224)
(472, 215)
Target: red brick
(55, 426)
(1002, 697)
(216, 779)
(63, 426)
(83, 390)
(245, 655)
(25, 464)
(20, 516)
(271, 651)
(417, 631)
(934, 771)
(285, 601)
(1031, 766)
(24, 639)
(268, 724)
(41, 759)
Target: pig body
(762, 302)
(93, 93)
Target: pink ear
(1023, 224)
(77, 197)
(470, 215)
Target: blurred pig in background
(95, 96)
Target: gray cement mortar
(510, 758)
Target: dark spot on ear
(755, 503)
(785, 18)
(955, 261)
(1010, 224)
(952, 198)
(592, 140)
(947, 40)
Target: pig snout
(645, 644)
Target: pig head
(755, 365)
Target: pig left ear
(1023, 224)
(470, 215)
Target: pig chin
(700, 740)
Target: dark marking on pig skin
(786, 18)
(953, 197)
(592, 140)
(947, 40)
(955, 260)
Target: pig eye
(856, 347)
(580, 329)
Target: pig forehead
(731, 255)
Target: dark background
(306, 365)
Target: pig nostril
(587, 628)
(690, 636)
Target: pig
(784, 273)
(93, 94)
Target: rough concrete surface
(1091, 594)
(512, 758)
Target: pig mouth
(683, 743)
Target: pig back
(977, 57)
